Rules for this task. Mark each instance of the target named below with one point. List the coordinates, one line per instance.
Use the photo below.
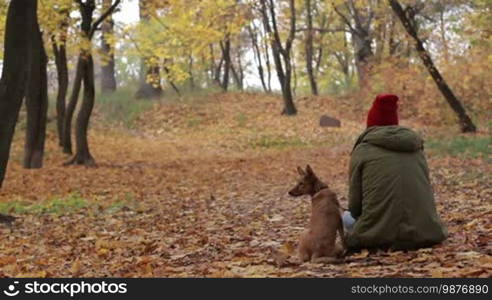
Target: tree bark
(61, 63)
(72, 104)
(85, 75)
(226, 55)
(281, 53)
(257, 57)
(190, 72)
(21, 20)
(361, 38)
(408, 22)
(108, 77)
(82, 154)
(238, 73)
(392, 44)
(36, 104)
(150, 80)
(240, 70)
(309, 49)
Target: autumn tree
(186, 39)
(55, 21)
(84, 74)
(258, 55)
(150, 78)
(22, 34)
(357, 17)
(36, 102)
(108, 76)
(60, 52)
(407, 18)
(309, 48)
(281, 51)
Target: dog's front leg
(305, 247)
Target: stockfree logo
(11, 290)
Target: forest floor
(198, 189)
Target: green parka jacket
(390, 193)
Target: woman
(391, 202)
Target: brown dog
(318, 242)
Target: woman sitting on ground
(391, 201)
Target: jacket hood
(395, 138)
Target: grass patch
(276, 142)
(241, 119)
(59, 206)
(474, 147)
(194, 122)
(121, 107)
(64, 205)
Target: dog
(317, 244)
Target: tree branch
(292, 31)
(352, 29)
(102, 17)
(321, 30)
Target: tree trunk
(361, 38)
(267, 62)
(294, 77)
(217, 68)
(226, 54)
(85, 75)
(150, 80)
(281, 52)
(465, 122)
(21, 22)
(82, 155)
(289, 107)
(309, 49)
(363, 54)
(257, 57)
(240, 70)
(237, 74)
(60, 53)
(442, 23)
(175, 88)
(108, 77)
(190, 72)
(36, 104)
(72, 104)
(392, 44)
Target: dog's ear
(309, 171)
(300, 171)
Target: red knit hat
(383, 111)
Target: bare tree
(281, 52)
(257, 56)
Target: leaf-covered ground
(198, 189)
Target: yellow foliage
(180, 29)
